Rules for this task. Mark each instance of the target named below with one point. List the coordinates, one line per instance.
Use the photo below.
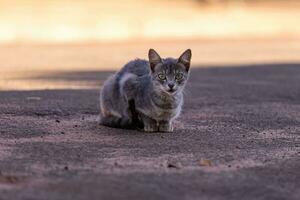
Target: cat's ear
(185, 59)
(154, 59)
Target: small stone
(170, 165)
(116, 164)
(33, 98)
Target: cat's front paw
(150, 128)
(166, 127)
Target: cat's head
(170, 75)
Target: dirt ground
(238, 136)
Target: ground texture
(237, 138)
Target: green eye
(161, 76)
(178, 76)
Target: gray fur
(145, 94)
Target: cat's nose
(171, 85)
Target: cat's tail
(115, 122)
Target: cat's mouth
(171, 91)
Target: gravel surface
(238, 138)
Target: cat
(145, 95)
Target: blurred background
(38, 37)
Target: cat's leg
(150, 125)
(165, 126)
(109, 116)
(113, 111)
(135, 121)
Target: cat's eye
(179, 76)
(162, 76)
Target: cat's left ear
(185, 59)
(154, 59)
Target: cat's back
(133, 75)
(138, 67)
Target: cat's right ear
(154, 59)
(185, 59)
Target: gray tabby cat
(145, 95)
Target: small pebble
(171, 165)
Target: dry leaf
(206, 163)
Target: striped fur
(138, 97)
